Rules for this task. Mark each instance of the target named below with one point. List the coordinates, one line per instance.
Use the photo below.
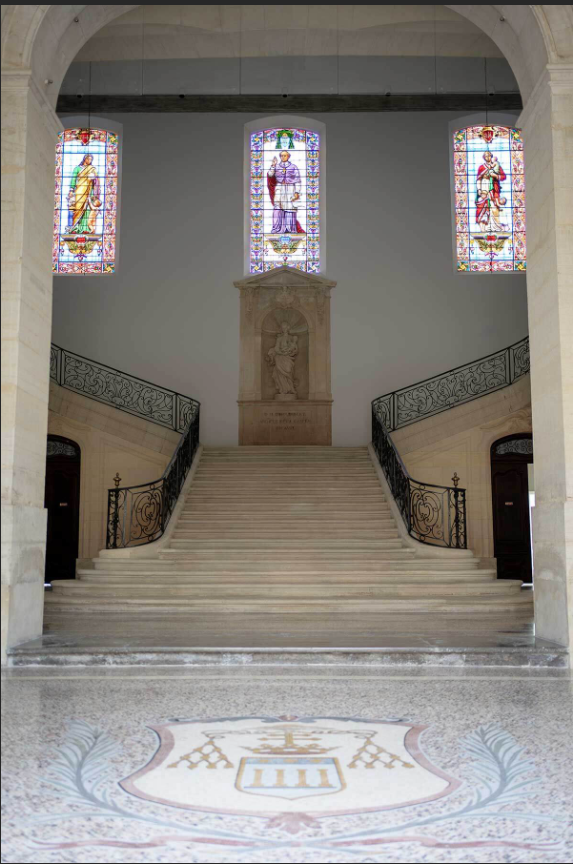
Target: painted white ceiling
(194, 32)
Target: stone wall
(400, 313)
(110, 441)
(460, 440)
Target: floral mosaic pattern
(285, 200)
(489, 190)
(85, 206)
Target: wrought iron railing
(125, 392)
(140, 514)
(456, 387)
(432, 514)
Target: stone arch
(38, 45)
(45, 39)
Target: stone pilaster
(29, 129)
(547, 121)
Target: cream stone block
(272, 423)
(23, 549)
(460, 440)
(285, 358)
(105, 436)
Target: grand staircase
(289, 545)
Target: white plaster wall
(400, 313)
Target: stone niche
(284, 390)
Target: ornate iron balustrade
(125, 392)
(456, 387)
(432, 514)
(140, 514)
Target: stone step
(233, 505)
(249, 497)
(292, 476)
(282, 593)
(206, 576)
(316, 488)
(253, 529)
(307, 612)
(287, 468)
(383, 565)
(270, 522)
(271, 450)
(357, 508)
(266, 517)
(278, 544)
(297, 474)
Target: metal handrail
(140, 514)
(455, 387)
(125, 392)
(437, 514)
(433, 514)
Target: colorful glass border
(102, 256)
(497, 249)
(260, 258)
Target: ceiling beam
(172, 103)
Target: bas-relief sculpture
(285, 395)
(286, 359)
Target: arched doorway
(38, 43)
(511, 485)
(62, 501)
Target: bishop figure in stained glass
(284, 185)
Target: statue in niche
(281, 357)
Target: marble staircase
(295, 537)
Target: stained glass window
(489, 189)
(285, 200)
(85, 208)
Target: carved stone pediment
(284, 277)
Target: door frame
(77, 459)
(520, 458)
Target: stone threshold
(534, 656)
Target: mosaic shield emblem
(289, 777)
(268, 766)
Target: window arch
(489, 199)
(285, 214)
(86, 201)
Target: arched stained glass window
(284, 199)
(85, 209)
(489, 191)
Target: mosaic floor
(255, 765)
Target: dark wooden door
(510, 491)
(62, 502)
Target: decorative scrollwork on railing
(411, 404)
(519, 359)
(125, 392)
(140, 514)
(432, 514)
(55, 354)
